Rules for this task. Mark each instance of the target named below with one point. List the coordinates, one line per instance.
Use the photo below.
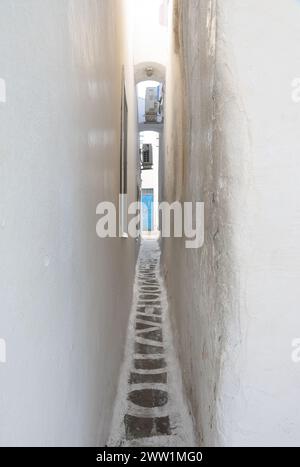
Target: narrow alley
(149, 224)
(151, 409)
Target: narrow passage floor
(150, 408)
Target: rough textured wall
(65, 294)
(235, 301)
(189, 176)
(257, 143)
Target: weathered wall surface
(189, 176)
(65, 294)
(236, 301)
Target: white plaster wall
(256, 62)
(65, 294)
(236, 301)
(188, 176)
(150, 31)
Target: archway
(150, 89)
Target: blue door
(147, 210)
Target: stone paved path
(150, 408)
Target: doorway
(147, 209)
(149, 149)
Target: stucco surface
(65, 294)
(235, 302)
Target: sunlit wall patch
(2, 351)
(2, 90)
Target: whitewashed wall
(150, 32)
(65, 294)
(236, 301)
